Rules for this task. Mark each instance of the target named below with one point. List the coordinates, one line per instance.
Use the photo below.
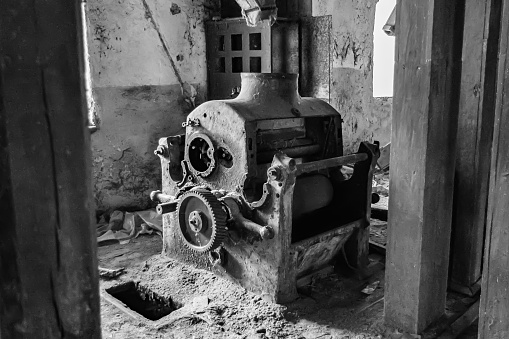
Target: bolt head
(195, 221)
(274, 173)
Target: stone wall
(140, 93)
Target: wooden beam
(48, 265)
(424, 125)
(475, 132)
(494, 310)
(462, 323)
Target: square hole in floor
(143, 300)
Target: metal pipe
(332, 162)
(158, 196)
(167, 207)
(265, 232)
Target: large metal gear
(202, 220)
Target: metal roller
(311, 193)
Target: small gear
(202, 220)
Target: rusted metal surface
(280, 90)
(254, 153)
(332, 162)
(315, 56)
(295, 152)
(265, 232)
(318, 251)
(167, 207)
(312, 192)
(202, 220)
(233, 47)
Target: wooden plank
(494, 310)
(48, 265)
(462, 323)
(459, 315)
(475, 132)
(428, 53)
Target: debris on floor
(379, 210)
(108, 273)
(330, 306)
(378, 232)
(370, 288)
(380, 185)
(213, 307)
(124, 226)
(385, 158)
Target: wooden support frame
(494, 309)
(48, 265)
(475, 132)
(428, 51)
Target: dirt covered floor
(332, 306)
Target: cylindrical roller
(311, 193)
(293, 152)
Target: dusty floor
(330, 307)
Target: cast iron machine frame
(255, 189)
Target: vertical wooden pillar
(48, 265)
(475, 132)
(424, 124)
(494, 309)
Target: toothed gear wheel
(202, 220)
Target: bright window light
(383, 54)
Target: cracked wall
(351, 92)
(141, 92)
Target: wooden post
(48, 265)
(424, 124)
(494, 310)
(475, 132)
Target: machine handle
(332, 162)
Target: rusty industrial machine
(257, 189)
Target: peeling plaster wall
(138, 96)
(365, 117)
